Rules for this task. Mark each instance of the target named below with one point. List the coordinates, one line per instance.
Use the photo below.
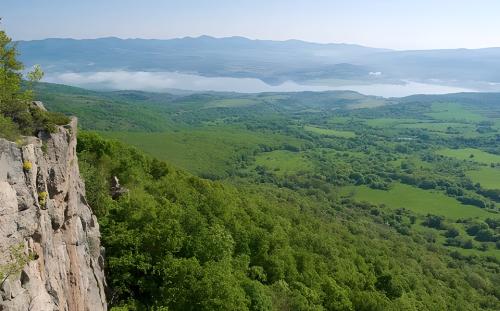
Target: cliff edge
(44, 214)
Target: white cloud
(165, 81)
(161, 81)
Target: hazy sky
(398, 24)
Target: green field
(470, 154)
(236, 102)
(368, 103)
(417, 200)
(488, 177)
(205, 151)
(329, 132)
(470, 252)
(340, 120)
(453, 112)
(414, 161)
(439, 126)
(444, 128)
(389, 122)
(283, 161)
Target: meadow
(420, 201)
(488, 177)
(206, 151)
(453, 112)
(329, 132)
(284, 162)
(389, 122)
(470, 154)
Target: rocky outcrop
(43, 209)
(117, 190)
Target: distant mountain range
(270, 61)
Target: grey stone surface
(67, 272)
(38, 104)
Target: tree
(485, 235)
(387, 284)
(34, 76)
(336, 298)
(468, 244)
(475, 227)
(11, 96)
(8, 128)
(451, 232)
(16, 115)
(17, 262)
(434, 221)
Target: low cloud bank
(161, 81)
(165, 81)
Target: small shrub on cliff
(8, 129)
(27, 166)
(42, 198)
(18, 259)
(45, 121)
(44, 148)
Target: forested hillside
(318, 201)
(178, 241)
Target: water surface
(164, 81)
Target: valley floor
(419, 171)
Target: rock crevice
(43, 208)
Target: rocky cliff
(43, 212)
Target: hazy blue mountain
(456, 64)
(271, 61)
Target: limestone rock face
(43, 208)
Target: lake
(165, 81)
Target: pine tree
(12, 98)
(17, 116)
